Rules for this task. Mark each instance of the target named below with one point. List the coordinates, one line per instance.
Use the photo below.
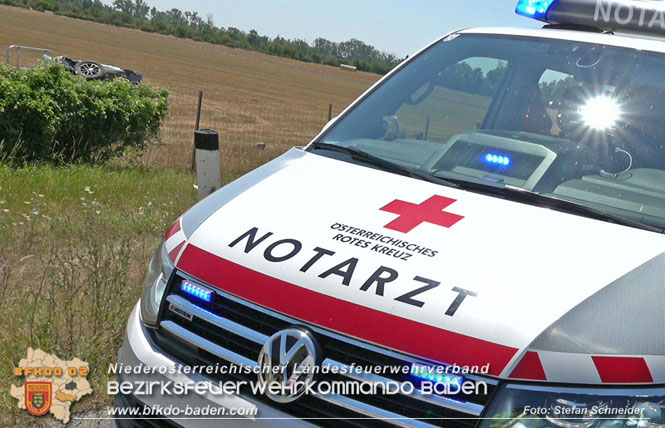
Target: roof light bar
(533, 8)
(632, 16)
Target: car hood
(444, 274)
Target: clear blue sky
(397, 26)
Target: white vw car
(494, 207)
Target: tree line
(189, 25)
(463, 77)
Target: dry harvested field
(248, 97)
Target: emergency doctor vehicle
(488, 215)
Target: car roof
(624, 41)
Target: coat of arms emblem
(38, 397)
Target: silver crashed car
(93, 70)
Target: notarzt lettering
(323, 263)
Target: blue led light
(435, 374)
(501, 160)
(196, 291)
(533, 8)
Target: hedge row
(48, 114)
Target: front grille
(231, 331)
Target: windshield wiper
(381, 163)
(518, 194)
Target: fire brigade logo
(51, 384)
(38, 397)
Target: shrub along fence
(49, 115)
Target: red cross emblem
(411, 215)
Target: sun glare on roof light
(601, 112)
(533, 8)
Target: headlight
(154, 285)
(518, 406)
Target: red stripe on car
(173, 255)
(622, 369)
(529, 367)
(175, 228)
(344, 317)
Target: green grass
(74, 245)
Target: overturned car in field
(93, 70)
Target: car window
(455, 102)
(571, 120)
(552, 86)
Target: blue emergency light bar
(533, 8)
(495, 159)
(435, 374)
(629, 16)
(196, 291)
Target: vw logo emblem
(286, 364)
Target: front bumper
(138, 351)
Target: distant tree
(553, 91)
(140, 9)
(124, 6)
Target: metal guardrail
(19, 48)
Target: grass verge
(74, 245)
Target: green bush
(47, 114)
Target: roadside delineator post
(208, 169)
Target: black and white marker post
(208, 170)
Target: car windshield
(563, 119)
